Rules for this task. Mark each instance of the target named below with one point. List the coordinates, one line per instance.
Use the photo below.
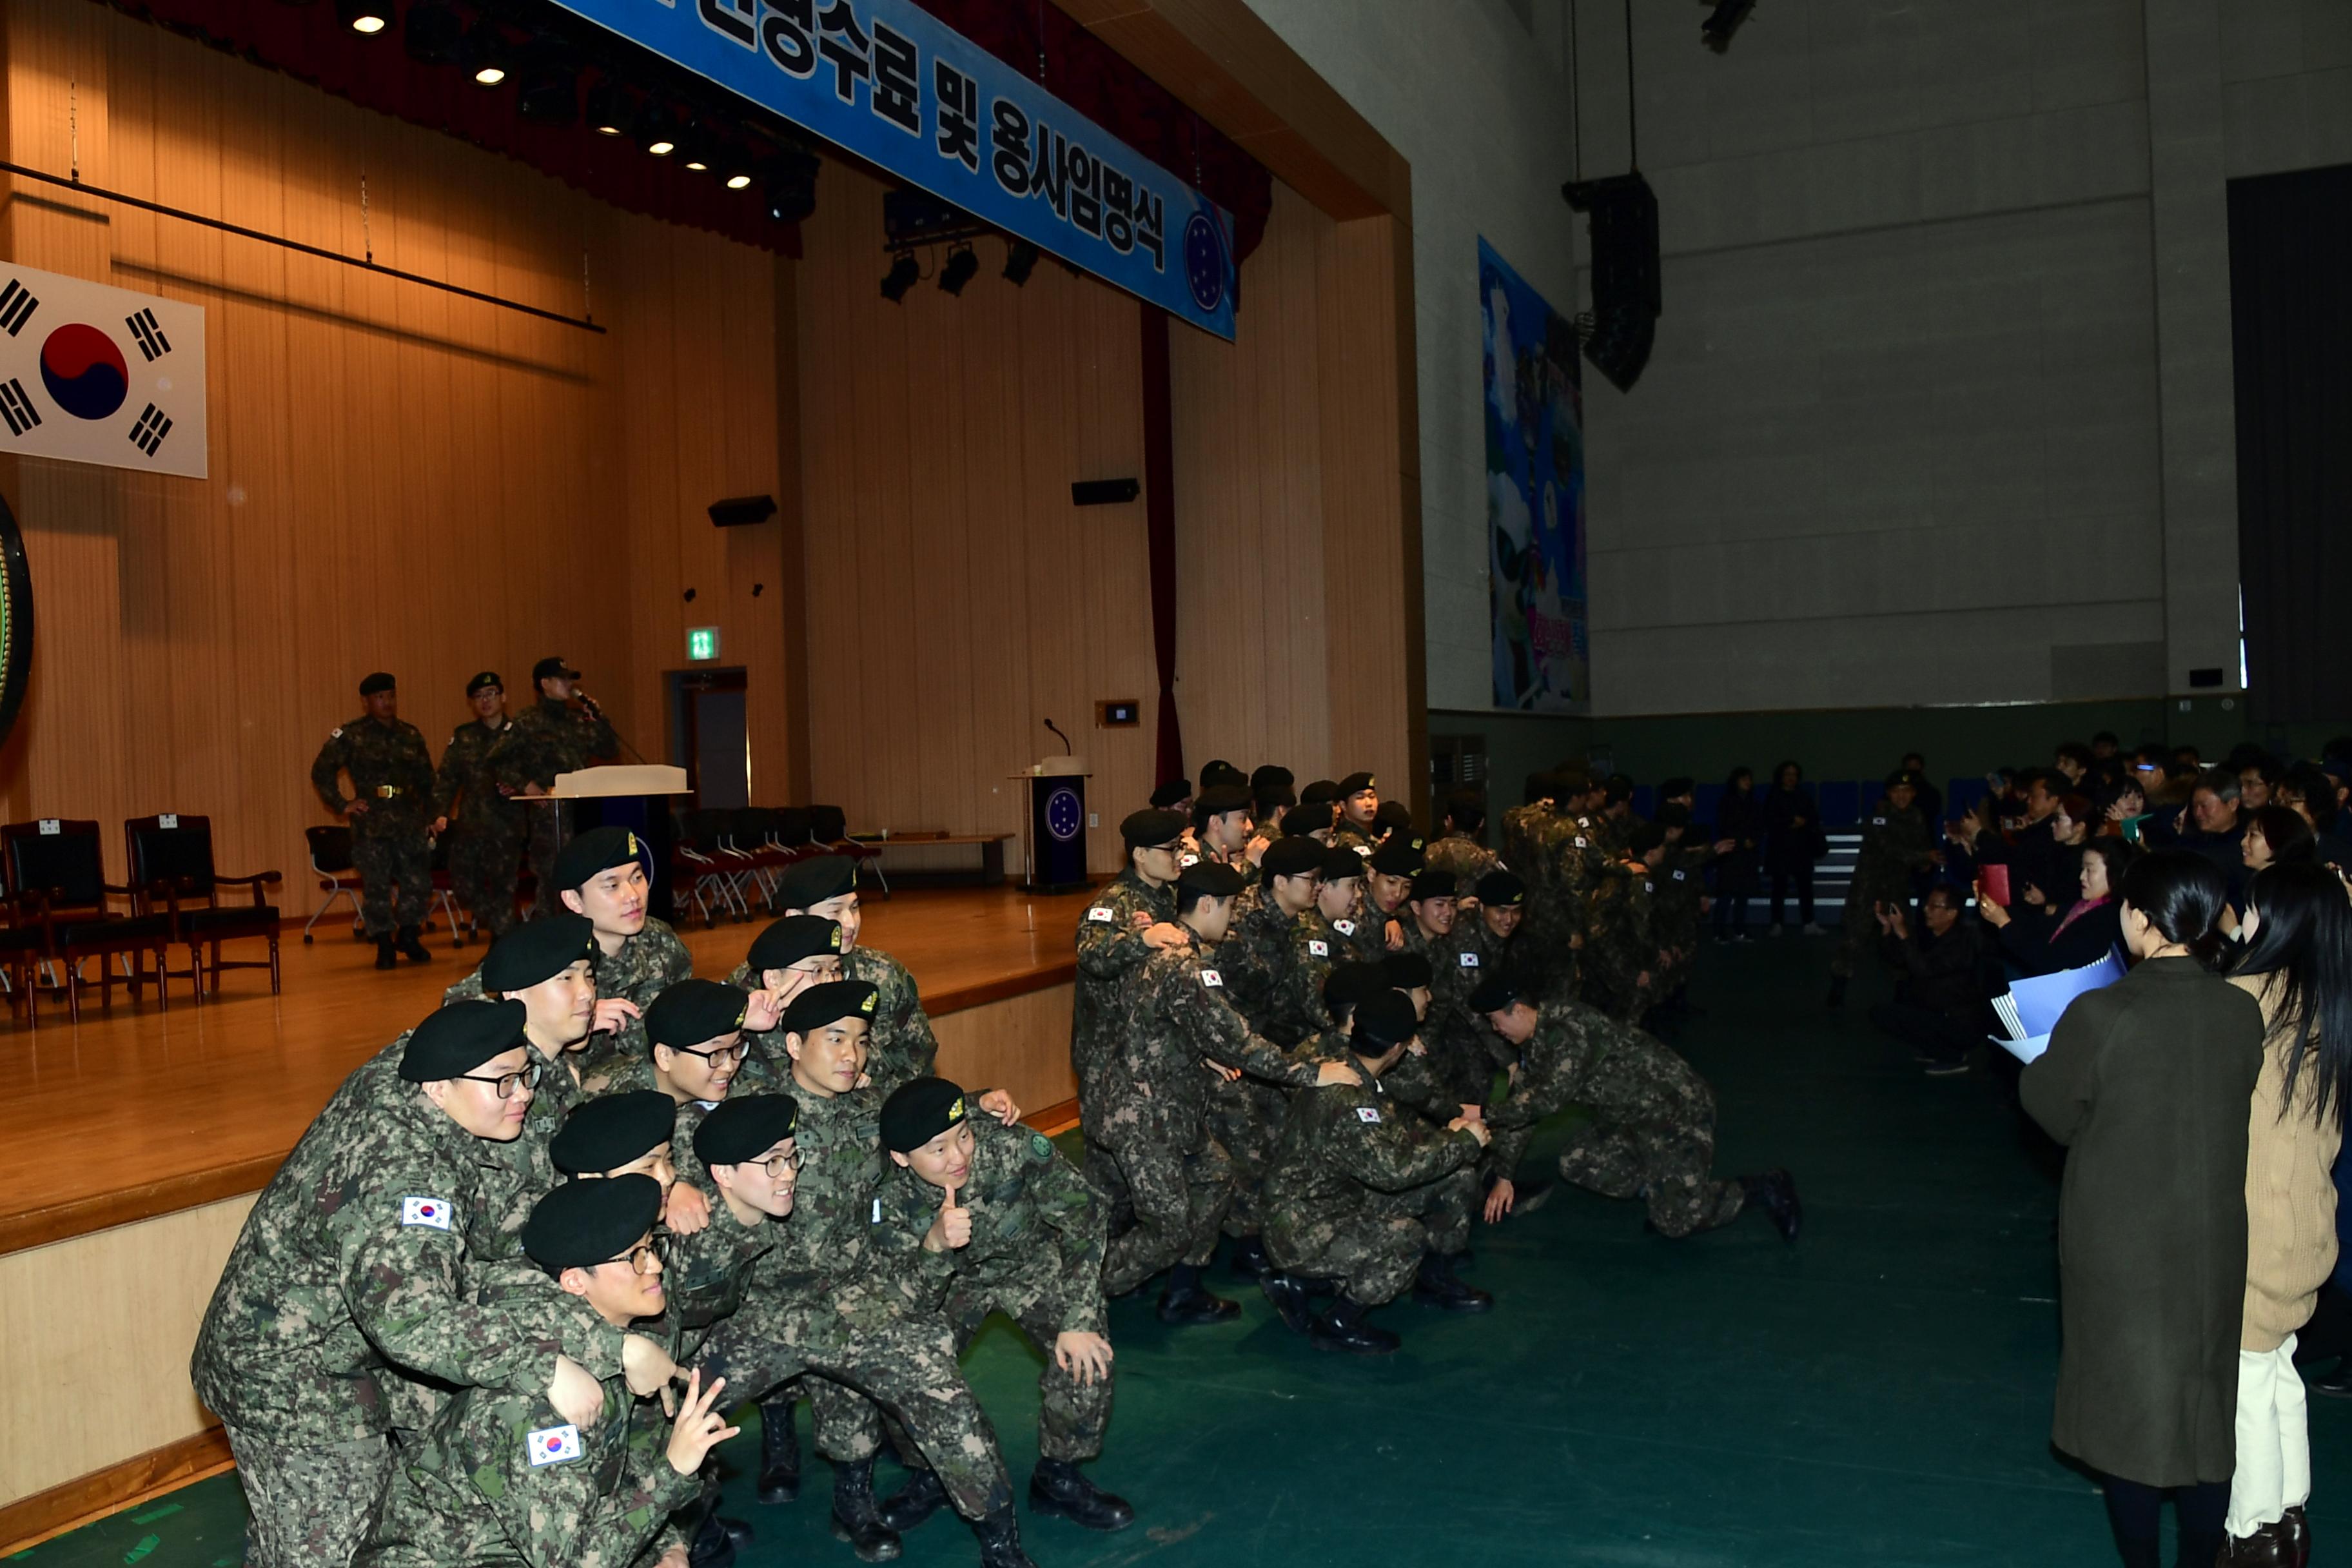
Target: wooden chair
(22, 936)
(170, 859)
(58, 860)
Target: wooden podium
(631, 796)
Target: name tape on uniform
(553, 1444)
(432, 1213)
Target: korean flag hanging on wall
(95, 375)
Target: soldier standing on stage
(488, 828)
(1896, 844)
(562, 732)
(390, 814)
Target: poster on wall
(1535, 495)
(93, 373)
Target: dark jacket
(1943, 974)
(2033, 943)
(1739, 818)
(1789, 847)
(2146, 1083)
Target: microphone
(1067, 750)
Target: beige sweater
(2290, 1193)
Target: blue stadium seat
(1841, 803)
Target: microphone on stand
(589, 703)
(1067, 750)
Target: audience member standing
(1740, 821)
(2146, 1083)
(2297, 962)
(1793, 840)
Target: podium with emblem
(1055, 849)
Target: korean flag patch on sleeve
(1345, 927)
(1469, 961)
(1211, 977)
(1319, 947)
(1100, 913)
(553, 1444)
(1366, 1113)
(433, 1213)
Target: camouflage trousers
(1373, 1249)
(485, 861)
(1071, 1416)
(395, 853)
(905, 1362)
(1652, 1136)
(1245, 1118)
(310, 1504)
(1181, 1197)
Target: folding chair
(171, 858)
(330, 862)
(696, 864)
(59, 859)
(829, 827)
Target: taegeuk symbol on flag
(91, 374)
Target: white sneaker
(1812, 929)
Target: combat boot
(1250, 1261)
(1775, 1192)
(410, 948)
(1435, 1286)
(1185, 1302)
(1000, 1540)
(1288, 1298)
(1057, 1486)
(855, 1517)
(779, 1452)
(385, 956)
(713, 1545)
(920, 1498)
(1343, 1329)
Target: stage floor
(141, 1111)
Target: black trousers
(1926, 1030)
(1803, 877)
(2136, 1513)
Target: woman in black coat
(1740, 821)
(2068, 934)
(1793, 840)
(2146, 1083)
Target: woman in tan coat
(2297, 962)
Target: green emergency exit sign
(702, 644)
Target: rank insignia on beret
(1319, 947)
(1469, 961)
(1211, 977)
(1366, 1113)
(1099, 912)
(1345, 927)
(955, 1112)
(432, 1213)
(1416, 843)
(832, 938)
(633, 848)
(553, 1444)
(866, 1006)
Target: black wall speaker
(1627, 299)
(742, 511)
(1104, 492)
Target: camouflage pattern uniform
(348, 1285)
(1895, 843)
(1035, 1256)
(391, 772)
(1346, 835)
(1652, 1134)
(1681, 888)
(1464, 857)
(644, 966)
(1253, 957)
(1361, 1189)
(1458, 1064)
(1245, 1113)
(546, 738)
(1623, 946)
(1110, 949)
(1317, 946)
(482, 1491)
(902, 1047)
(486, 835)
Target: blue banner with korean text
(890, 83)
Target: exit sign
(702, 644)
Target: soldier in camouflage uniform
(1457, 849)
(1895, 842)
(561, 732)
(1651, 1132)
(1226, 832)
(1321, 938)
(902, 1045)
(1272, 793)
(1494, 936)
(1368, 1195)
(1625, 956)
(487, 829)
(792, 954)
(1130, 918)
(1434, 932)
(1359, 804)
(1388, 878)
(1022, 1233)
(348, 1288)
(1256, 953)
(390, 816)
(825, 1298)
(503, 1480)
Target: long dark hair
(2303, 943)
(2181, 893)
(1731, 784)
(1780, 768)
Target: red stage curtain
(1160, 535)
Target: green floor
(1879, 1394)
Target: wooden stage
(139, 1137)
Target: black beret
(1396, 813)
(1273, 802)
(1221, 799)
(1356, 784)
(1292, 858)
(1406, 970)
(583, 1224)
(788, 941)
(806, 883)
(597, 851)
(1904, 777)
(1647, 838)
(1503, 890)
(1348, 984)
(1219, 772)
(461, 1037)
(1382, 1021)
(1398, 857)
(1150, 829)
(1172, 792)
(608, 1131)
(830, 1002)
(1342, 863)
(487, 678)
(919, 1112)
(1305, 820)
(377, 682)
(692, 1011)
(1571, 781)
(1219, 882)
(1268, 777)
(1494, 993)
(1432, 884)
(538, 950)
(1319, 792)
(745, 1128)
(551, 666)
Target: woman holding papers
(2046, 939)
(2297, 963)
(2146, 1083)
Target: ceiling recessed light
(738, 181)
(661, 146)
(490, 76)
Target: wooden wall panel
(401, 478)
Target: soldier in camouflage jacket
(391, 814)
